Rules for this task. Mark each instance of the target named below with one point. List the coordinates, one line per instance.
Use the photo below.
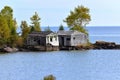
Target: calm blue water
(105, 33)
(65, 65)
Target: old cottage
(44, 40)
(72, 38)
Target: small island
(33, 38)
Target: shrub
(49, 77)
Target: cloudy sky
(53, 12)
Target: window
(74, 38)
(35, 38)
(68, 39)
(51, 39)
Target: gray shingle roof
(41, 33)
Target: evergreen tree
(7, 13)
(32, 29)
(35, 22)
(4, 31)
(61, 27)
(25, 30)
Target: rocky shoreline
(95, 46)
(8, 49)
(98, 45)
(105, 45)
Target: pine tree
(61, 27)
(7, 13)
(35, 20)
(25, 30)
(4, 31)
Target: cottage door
(62, 41)
(67, 41)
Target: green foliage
(7, 12)
(11, 24)
(47, 29)
(8, 26)
(61, 27)
(25, 30)
(80, 17)
(80, 29)
(4, 31)
(50, 77)
(19, 42)
(35, 22)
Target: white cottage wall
(52, 39)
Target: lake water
(64, 65)
(105, 33)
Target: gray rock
(9, 49)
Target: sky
(53, 12)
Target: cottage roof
(41, 33)
(71, 32)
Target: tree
(78, 19)
(61, 27)
(25, 30)
(4, 31)
(19, 42)
(35, 22)
(7, 13)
